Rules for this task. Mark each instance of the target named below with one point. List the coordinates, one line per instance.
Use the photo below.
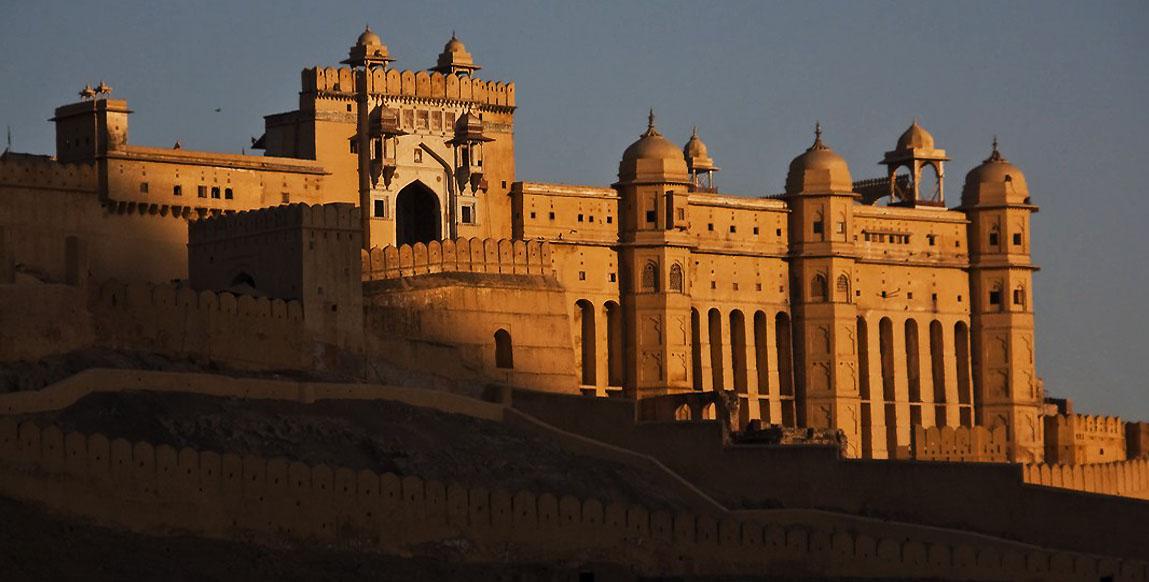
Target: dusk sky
(1064, 86)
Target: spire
(995, 156)
(694, 133)
(818, 145)
(650, 130)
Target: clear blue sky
(1064, 85)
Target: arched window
(818, 289)
(676, 278)
(504, 356)
(843, 287)
(243, 279)
(1019, 297)
(682, 413)
(650, 277)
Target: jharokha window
(676, 278)
(650, 277)
(818, 289)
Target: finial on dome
(694, 132)
(818, 145)
(650, 130)
(995, 156)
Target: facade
(867, 307)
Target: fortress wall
(989, 498)
(1084, 439)
(242, 330)
(45, 173)
(474, 255)
(66, 392)
(421, 84)
(143, 486)
(467, 309)
(1126, 478)
(66, 235)
(976, 444)
(42, 320)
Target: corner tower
(820, 194)
(654, 259)
(1007, 393)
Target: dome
(368, 38)
(695, 148)
(995, 181)
(652, 158)
(819, 169)
(454, 45)
(916, 137)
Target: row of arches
(906, 363)
(586, 324)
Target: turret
(1006, 389)
(700, 164)
(821, 198)
(455, 60)
(916, 153)
(654, 191)
(90, 128)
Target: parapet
(335, 216)
(422, 84)
(45, 172)
(458, 256)
(145, 297)
(976, 444)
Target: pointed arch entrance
(416, 215)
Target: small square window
(532, 214)
(910, 295)
(177, 190)
(552, 215)
(959, 298)
(227, 194)
(957, 243)
(931, 239)
(995, 297)
(755, 230)
(710, 226)
(286, 198)
(590, 218)
(934, 297)
(1016, 238)
(418, 156)
(354, 145)
(467, 215)
(713, 285)
(857, 292)
(757, 286)
(612, 277)
(993, 239)
(380, 208)
(504, 183)
(144, 187)
(609, 219)
(883, 294)
(841, 228)
(778, 232)
(736, 286)
(349, 108)
(732, 228)
(582, 275)
(202, 190)
(215, 191)
(817, 227)
(580, 218)
(650, 216)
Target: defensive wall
(421, 84)
(458, 256)
(242, 331)
(1125, 478)
(976, 444)
(146, 488)
(990, 498)
(42, 320)
(1084, 439)
(44, 172)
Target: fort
(839, 379)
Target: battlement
(44, 172)
(115, 295)
(975, 444)
(335, 216)
(458, 256)
(225, 495)
(1126, 478)
(340, 81)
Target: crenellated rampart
(975, 444)
(458, 256)
(240, 330)
(258, 221)
(43, 172)
(1126, 478)
(143, 486)
(420, 84)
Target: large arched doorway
(416, 215)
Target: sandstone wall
(42, 320)
(144, 487)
